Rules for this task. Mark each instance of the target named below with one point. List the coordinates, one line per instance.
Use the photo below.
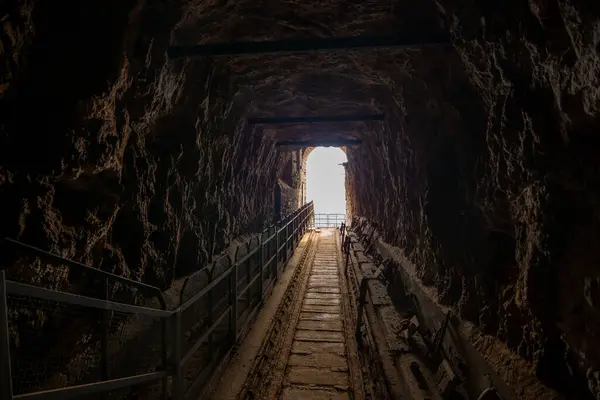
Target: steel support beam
(315, 143)
(313, 119)
(309, 44)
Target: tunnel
(153, 156)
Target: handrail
(231, 273)
(203, 338)
(94, 271)
(21, 289)
(278, 230)
(204, 291)
(329, 220)
(92, 388)
(260, 268)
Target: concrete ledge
(463, 343)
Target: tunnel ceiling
(332, 82)
(483, 175)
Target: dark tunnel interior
(473, 149)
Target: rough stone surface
(490, 180)
(485, 171)
(112, 155)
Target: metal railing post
(233, 302)
(210, 321)
(5, 373)
(296, 230)
(261, 273)
(286, 242)
(290, 244)
(105, 333)
(273, 254)
(276, 252)
(165, 356)
(293, 235)
(177, 357)
(248, 270)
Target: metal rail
(202, 331)
(323, 220)
(151, 291)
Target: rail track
(309, 351)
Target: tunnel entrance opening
(326, 185)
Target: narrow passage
(308, 349)
(318, 367)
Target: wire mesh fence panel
(243, 302)
(56, 345)
(254, 265)
(71, 277)
(221, 340)
(254, 290)
(221, 298)
(196, 283)
(268, 271)
(195, 321)
(27, 268)
(281, 253)
(196, 364)
(241, 252)
(198, 369)
(120, 292)
(134, 345)
(291, 241)
(254, 243)
(271, 247)
(243, 276)
(248, 301)
(268, 276)
(220, 267)
(52, 345)
(150, 391)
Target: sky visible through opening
(325, 180)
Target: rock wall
(488, 182)
(289, 185)
(114, 156)
(484, 172)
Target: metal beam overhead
(316, 143)
(325, 118)
(309, 44)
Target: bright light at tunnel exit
(325, 180)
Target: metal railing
(329, 220)
(165, 354)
